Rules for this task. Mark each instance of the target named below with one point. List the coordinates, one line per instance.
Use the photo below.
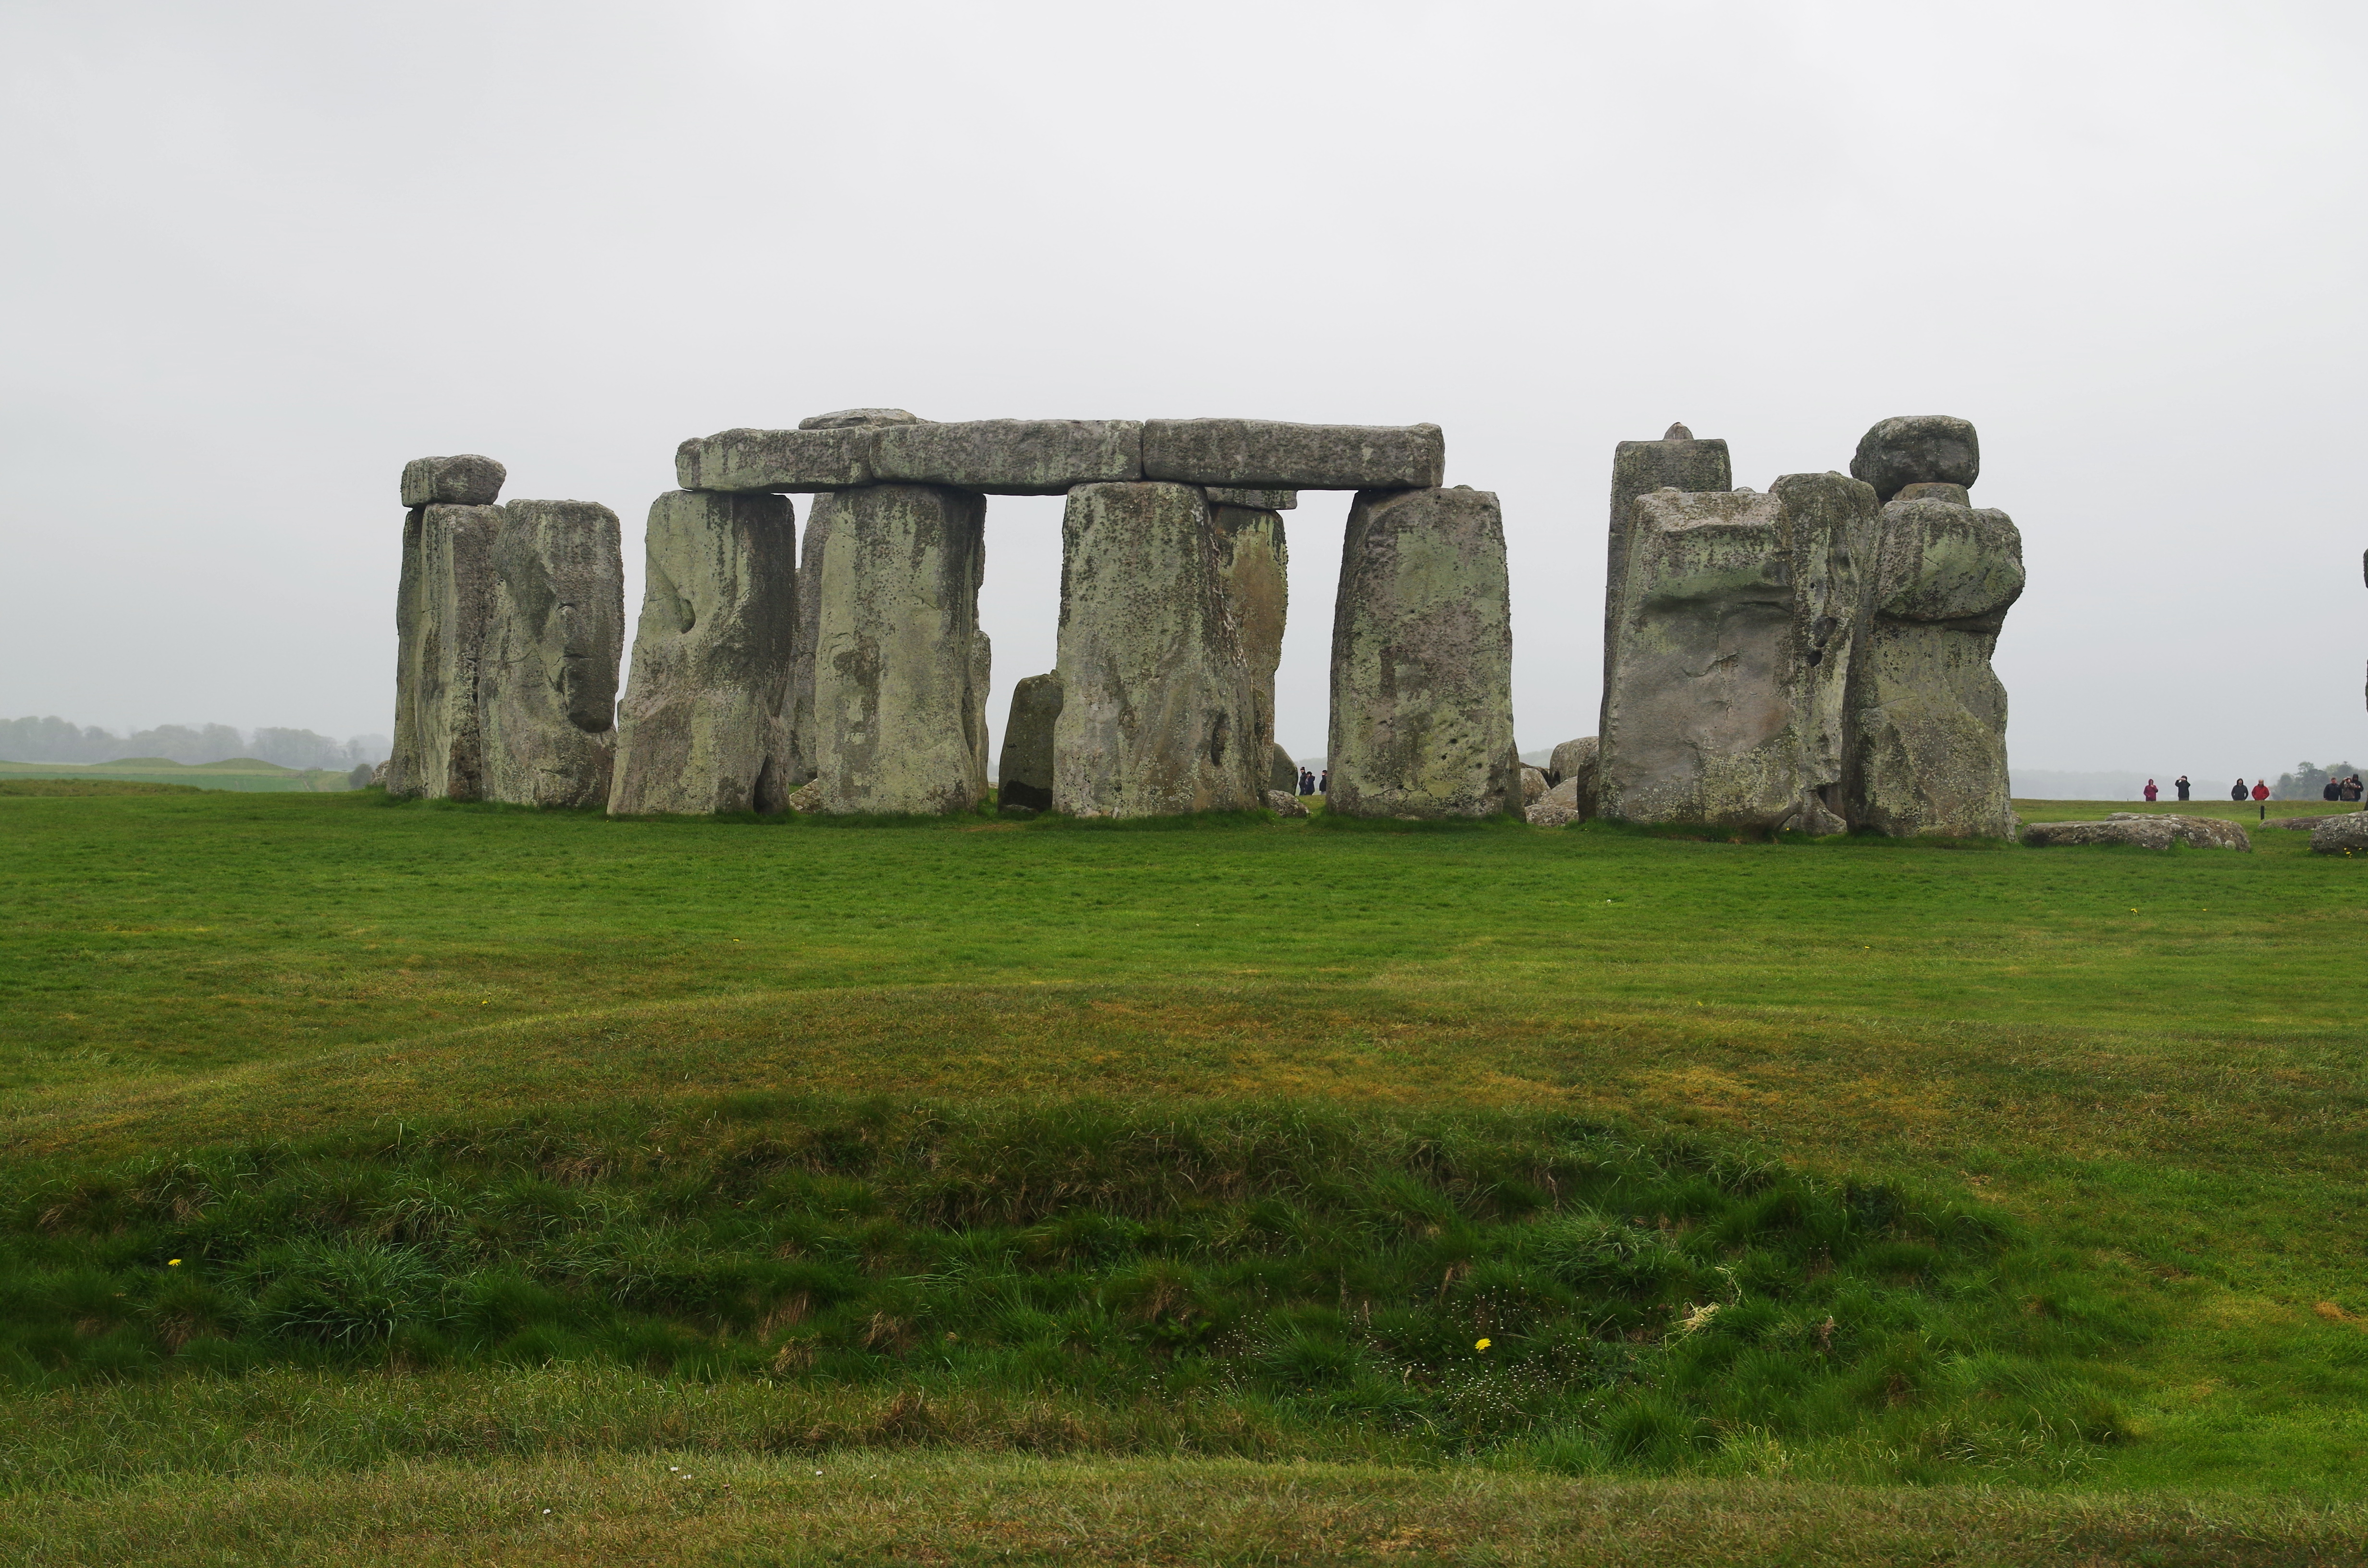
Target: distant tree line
(2308, 781)
(54, 739)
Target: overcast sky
(256, 256)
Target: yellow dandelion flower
(174, 1263)
(1483, 1344)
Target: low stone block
(1285, 802)
(1422, 699)
(1258, 454)
(2346, 835)
(855, 418)
(1917, 448)
(897, 722)
(701, 730)
(1024, 771)
(777, 462)
(464, 481)
(1256, 500)
(1156, 698)
(1010, 457)
(2141, 831)
(1552, 813)
(558, 634)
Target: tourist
(2237, 791)
(2261, 790)
(1324, 785)
(2179, 784)
(2151, 791)
(1306, 782)
(2351, 788)
(2334, 791)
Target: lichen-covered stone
(1955, 493)
(2142, 831)
(1023, 774)
(854, 419)
(1551, 812)
(1255, 500)
(1010, 457)
(1285, 803)
(1572, 764)
(898, 723)
(1927, 713)
(444, 609)
(1572, 792)
(1917, 448)
(1422, 646)
(468, 480)
(780, 462)
(1155, 702)
(1268, 454)
(702, 729)
(2346, 835)
(1254, 573)
(1676, 461)
(1283, 773)
(1533, 785)
(551, 656)
(1737, 612)
(806, 799)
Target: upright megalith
(702, 729)
(549, 692)
(1157, 702)
(1676, 461)
(1422, 648)
(1917, 448)
(1724, 698)
(443, 610)
(1023, 775)
(1927, 713)
(899, 662)
(1254, 574)
(1283, 773)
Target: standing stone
(1422, 649)
(982, 677)
(549, 694)
(1725, 704)
(1676, 461)
(701, 730)
(1157, 702)
(899, 720)
(445, 606)
(1283, 773)
(1023, 775)
(1927, 715)
(1254, 575)
(1917, 448)
(815, 550)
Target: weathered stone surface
(1254, 575)
(1258, 454)
(1956, 495)
(1676, 461)
(777, 460)
(1533, 785)
(378, 777)
(1570, 757)
(800, 714)
(1553, 814)
(1571, 792)
(1725, 703)
(1285, 802)
(2299, 824)
(981, 675)
(1917, 448)
(1156, 698)
(701, 730)
(897, 722)
(464, 481)
(558, 633)
(443, 610)
(1010, 457)
(1255, 500)
(1422, 645)
(1283, 773)
(1023, 775)
(2345, 834)
(1927, 713)
(806, 799)
(2142, 831)
(854, 419)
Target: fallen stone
(2301, 824)
(1571, 792)
(858, 418)
(2141, 831)
(1533, 785)
(1553, 814)
(464, 481)
(806, 799)
(1422, 702)
(1010, 457)
(1156, 698)
(738, 462)
(897, 720)
(1285, 802)
(1927, 712)
(443, 610)
(1676, 461)
(1259, 454)
(702, 729)
(1283, 773)
(1573, 767)
(1024, 773)
(1254, 577)
(1572, 756)
(552, 652)
(1917, 448)
(1726, 701)
(1256, 500)
(2346, 835)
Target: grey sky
(257, 256)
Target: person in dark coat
(2151, 792)
(2334, 791)
(1324, 785)
(2237, 791)
(2180, 785)
(2351, 788)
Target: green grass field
(1146, 1192)
(242, 774)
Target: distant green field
(243, 773)
(1468, 1159)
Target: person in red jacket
(2261, 791)
(2151, 791)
